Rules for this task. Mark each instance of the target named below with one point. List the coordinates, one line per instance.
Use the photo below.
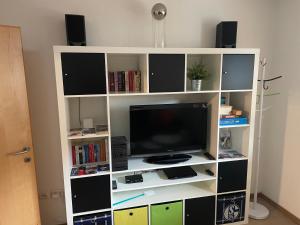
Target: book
(86, 152)
(233, 121)
(126, 81)
(111, 81)
(73, 155)
(116, 81)
(80, 155)
(91, 153)
(131, 78)
(137, 81)
(229, 154)
(102, 150)
(77, 155)
(97, 152)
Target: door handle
(21, 152)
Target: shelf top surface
(139, 164)
(158, 179)
(162, 194)
(145, 50)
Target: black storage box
(94, 219)
(231, 208)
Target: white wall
(281, 151)
(190, 23)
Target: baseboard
(294, 218)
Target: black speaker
(75, 27)
(226, 34)
(119, 153)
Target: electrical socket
(43, 196)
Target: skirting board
(294, 218)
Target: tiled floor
(276, 217)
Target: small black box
(226, 34)
(231, 208)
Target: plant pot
(196, 85)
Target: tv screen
(157, 129)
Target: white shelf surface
(118, 94)
(87, 136)
(163, 194)
(234, 126)
(139, 164)
(90, 175)
(91, 212)
(158, 178)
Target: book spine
(97, 152)
(126, 81)
(123, 80)
(119, 81)
(137, 76)
(73, 155)
(77, 154)
(130, 76)
(116, 81)
(91, 153)
(86, 153)
(111, 81)
(80, 154)
(103, 151)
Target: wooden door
(18, 189)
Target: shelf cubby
(212, 63)
(129, 62)
(119, 112)
(165, 194)
(79, 108)
(239, 141)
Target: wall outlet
(43, 196)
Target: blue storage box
(95, 219)
(233, 121)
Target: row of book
(127, 81)
(89, 152)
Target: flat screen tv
(168, 128)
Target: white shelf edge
(164, 167)
(232, 159)
(231, 192)
(237, 90)
(165, 185)
(234, 126)
(89, 136)
(161, 93)
(90, 175)
(85, 96)
(91, 212)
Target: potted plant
(196, 74)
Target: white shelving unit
(112, 109)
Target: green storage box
(167, 214)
